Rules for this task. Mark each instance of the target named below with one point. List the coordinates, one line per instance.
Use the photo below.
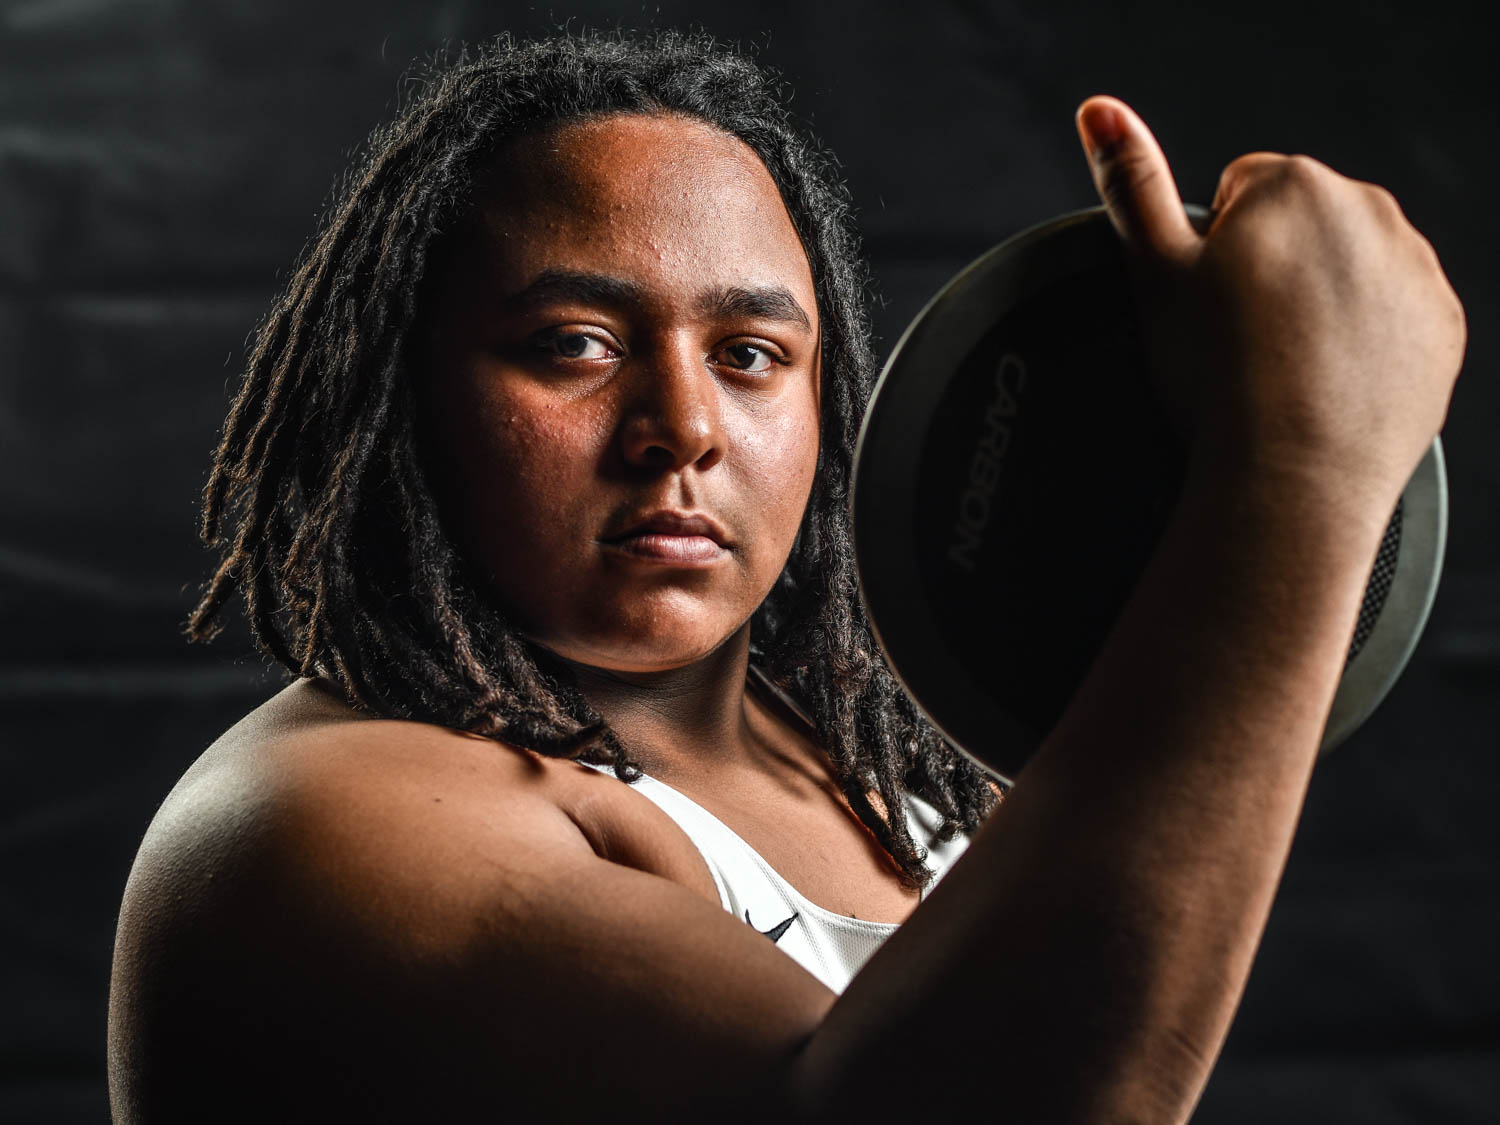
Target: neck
(679, 718)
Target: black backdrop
(161, 162)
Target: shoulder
(313, 865)
(308, 771)
(311, 788)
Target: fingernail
(1104, 126)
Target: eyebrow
(560, 286)
(763, 302)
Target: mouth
(677, 538)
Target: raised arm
(1105, 920)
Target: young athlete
(537, 483)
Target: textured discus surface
(1014, 474)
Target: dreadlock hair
(317, 501)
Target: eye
(573, 345)
(750, 358)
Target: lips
(684, 538)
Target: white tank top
(833, 947)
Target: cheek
(779, 463)
(518, 455)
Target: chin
(642, 652)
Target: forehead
(662, 198)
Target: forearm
(1104, 922)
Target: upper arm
(395, 948)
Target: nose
(673, 413)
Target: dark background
(162, 162)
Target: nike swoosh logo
(775, 932)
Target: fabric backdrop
(161, 163)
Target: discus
(1014, 472)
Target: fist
(1309, 329)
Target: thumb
(1134, 180)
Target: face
(620, 391)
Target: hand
(1310, 329)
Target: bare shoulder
(305, 782)
(306, 767)
(375, 911)
(305, 761)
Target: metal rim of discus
(884, 496)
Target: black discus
(1014, 473)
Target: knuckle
(1123, 176)
(1460, 318)
(1387, 210)
(1252, 162)
(1277, 177)
(1304, 172)
(1427, 251)
(1243, 170)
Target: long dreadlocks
(317, 500)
